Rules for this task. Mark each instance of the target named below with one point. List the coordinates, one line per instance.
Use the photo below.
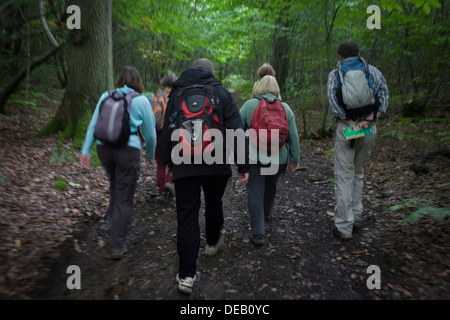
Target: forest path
(300, 259)
(45, 230)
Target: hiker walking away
(120, 113)
(265, 70)
(358, 96)
(198, 104)
(266, 109)
(159, 105)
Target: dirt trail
(43, 230)
(300, 260)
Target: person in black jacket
(190, 178)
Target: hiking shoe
(258, 239)
(337, 233)
(106, 223)
(118, 253)
(170, 187)
(212, 250)
(186, 284)
(356, 227)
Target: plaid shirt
(379, 86)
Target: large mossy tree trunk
(90, 69)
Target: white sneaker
(170, 187)
(186, 284)
(212, 250)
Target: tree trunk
(282, 47)
(90, 68)
(281, 54)
(325, 129)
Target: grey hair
(204, 63)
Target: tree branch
(334, 18)
(5, 5)
(47, 31)
(22, 74)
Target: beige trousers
(348, 177)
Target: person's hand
(348, 122)
(293, 166)
(85, 161)
(363, 124)
(243, 179)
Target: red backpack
(269, 115)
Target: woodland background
(299, 38)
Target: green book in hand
(353, 132)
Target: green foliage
(329, 153)
(405, 122)
(300, 100)
(50, 128)
(421, 208)
(60, 154)
(37, 99)
(155, 34)
(60, 184)
(67, 133)
(81, 128)
(238, 82)
(434, 135)
(3, 177)
(444, 137)
(394, 133)
(425, 5)
(95, 159)
(239, 35)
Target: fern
(422, 208)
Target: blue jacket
(141, 114)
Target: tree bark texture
(281, 53)
(90, 63)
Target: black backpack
(113, 124)
(197, 109)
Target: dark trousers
(188, 200)
(123, 168)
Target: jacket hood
(125, 89)
(196, 75)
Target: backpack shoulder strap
(157, 99)
(129, 97)
(366, 67)
(216, 103)
(369, 79)
(260, 98)
(163, 95)
(338, 74)
(214, 83)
